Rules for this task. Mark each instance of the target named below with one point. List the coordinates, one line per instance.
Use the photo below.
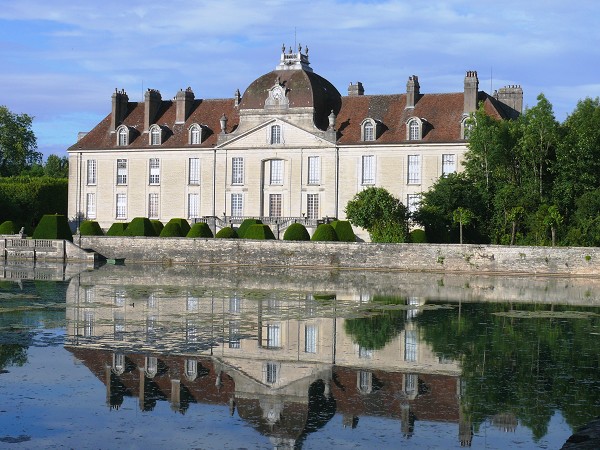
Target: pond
(205, 357)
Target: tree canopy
(18, 144)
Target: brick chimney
(512, 96)
(412, 91)
(119, 108)
(184, 101)
(471, 90)
(152, 100)
(356, 89)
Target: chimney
(119, 108)
(471, 90)
(152, 100)
(512, 96)
(355, 89)
(412, 91)
(184, 101)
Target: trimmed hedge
(226, 233)
(247, 223)
(418, 236)
(53, 226)
(8, 227)
(296, 232)
(172, 229)
(344, 230)
(259, 231)
(325, 233)
(90, 228)
(158, 226)
(140, 226)
(200, 229)
(184, 224)
(117, 229)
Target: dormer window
(466, 126)
(155, 135)
(275, 134)
(414, 129)
(368, 130)
(195, 134)
(122, 136)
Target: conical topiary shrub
(324, 232)
(140, 226)
(296, 232)
(241, 231)
(259, 231)
(184, 224)
(200, 229)
(53, 226)
(226, 233)
(117, 229)
(158, 226)
(90, 228)
(417, 236)
(343, 230)
(8, 227)
(172, 229)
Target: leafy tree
(57, 167)
(462, 216)
(18, 143)
(553, 220)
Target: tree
(462, 216)
(57, 167)
(18, 144)
(553, 221)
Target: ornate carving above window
(277, 97)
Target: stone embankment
(450, 258)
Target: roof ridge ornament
(294, 61)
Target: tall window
(310, 339)
(276, 171)
(193, 206)
(273, 336)
(90, 209)
(91, 171)
(276, 134)
(368, 131)
(448, 164)
(365, 382)
(270, 370)
(314, 170)
(414, 169)
(121, 171)
(234, 334)
(312, 206)
(275, 205)
(153, 206)
(368, 169)
(121, 206)
(195, 135)
(154, 171)
(414, 130)
(155, 135)
(412, 202)
(122, 137)
(194, 171)
(410, 345)
(237, 205)
(237, 170)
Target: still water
(195, 357)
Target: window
(91, 172)
(448, 164)
(410, 383)
(412, 202)
(368, 131)
(271, 372)
(466, 126)
(414, 169)
(276, 134)
(235, 304)
(237, 170)
(194, 171)
(88, 324)
(237, 206)
(153, 206)
(365, 353)
(193, 206)
(119, 326)
(155, 135)
(365, 382)
(191, 303)
(314, 170)
(118, 365)
(234, 334)
(90, 211)
(276, 171)
(414, 130)
(122, 137)
(121, 206)
(312, 206)
(121, 171)
(154, 171)
(151, 364)
(410, 345)
(191, 331)
(368, 169)
(273, 336)
(275, 205)
(191, 369)
(310, 339)
(195, 134)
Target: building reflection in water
(286, 361)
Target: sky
(61, 60)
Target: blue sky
(62, 60)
